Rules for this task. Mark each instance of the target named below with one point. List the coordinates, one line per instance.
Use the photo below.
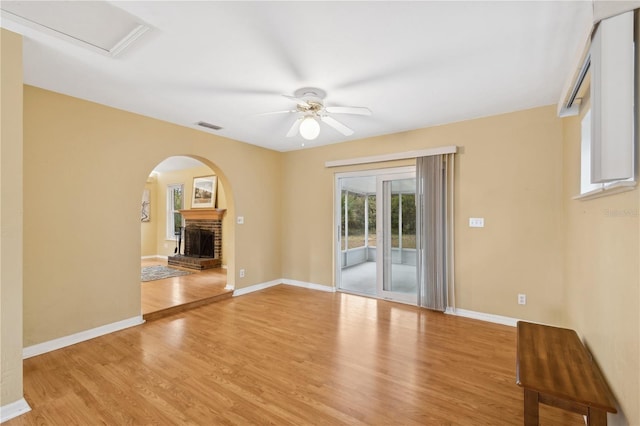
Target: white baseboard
(498, 319)
(14, 409)
(255, 287)
(72, 339)
(311, 286)
(262, 286)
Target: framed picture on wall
(204, 192)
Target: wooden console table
(555, 368)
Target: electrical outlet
(522, 299)
(476, 222)
(241, 273)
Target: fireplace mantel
(199, 214)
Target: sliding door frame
(337, 214)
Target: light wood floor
(170, 295)
(286, 356)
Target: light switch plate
(240, 220)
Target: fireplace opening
(198, 242)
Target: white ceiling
(414, 64)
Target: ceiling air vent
(208, 125)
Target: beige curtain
(435, 190)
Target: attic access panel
(96, 25)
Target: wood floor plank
(284, 356)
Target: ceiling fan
(311, 111)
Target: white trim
(255, 287)
(14, 409)
(130, 38)
(82, 336)
(372, 173)
(310, 286)
(611, 189)
(451, 149)
(497, 319)
(229, 287)
(295, 283)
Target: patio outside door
(376, 238)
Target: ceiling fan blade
(299, 101)
(348, 110)
(336, 125)
(294, 128)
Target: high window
(608, 133)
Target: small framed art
(204, 192)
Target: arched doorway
(173, 279)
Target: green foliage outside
(357, 203)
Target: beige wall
(577, 261)
(508, 171)
(602, 277)
(86, 166)
(11, 223)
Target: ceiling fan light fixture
(309, 128)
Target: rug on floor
(159, 272)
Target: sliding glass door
(376, 235)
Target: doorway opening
(376, 234)
(183, 263)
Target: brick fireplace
(202, 240)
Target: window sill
(614, 188)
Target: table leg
(596, 417)
(530, 408)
